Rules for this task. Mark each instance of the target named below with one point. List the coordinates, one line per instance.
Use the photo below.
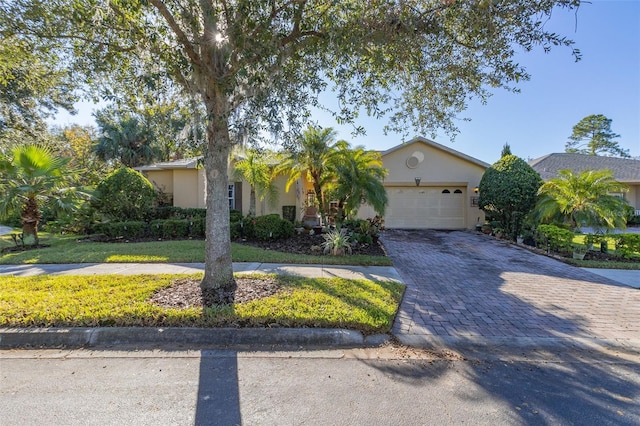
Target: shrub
(627, 244)
(170, 228)
(508, 192)
(128, 230)
(235, 215)
(555, 238)
(125, 195)
(198, 227)
(272, 227)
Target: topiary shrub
(235, 216)
(125, 195)
(508, 191)
(197, 227)
(169, 229)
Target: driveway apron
(468, 287)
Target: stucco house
(625, 170)
(429, 186)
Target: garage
(426, 207)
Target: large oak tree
(257, 66)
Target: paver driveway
(467, 286)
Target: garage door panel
(425, 207)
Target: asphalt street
(383, 386)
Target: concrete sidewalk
(630, 277)
(377, 273)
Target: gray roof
(624, 169)
(184, 163)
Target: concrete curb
(114, 336)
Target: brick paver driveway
(464, 285)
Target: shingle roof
(624, 169)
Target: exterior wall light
(417, 179)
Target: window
(457, 191)
(446, 191)
(232, 196)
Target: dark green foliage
(125, 195)
(169, 228)
(272, 227)
(554, 238)
(235, 215)
(508, 192)
(593, 136)
(627, 244)
(197, 227)
(289, 213)
(127, 230)
(506, 150)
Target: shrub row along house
(428, 185)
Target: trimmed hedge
(272, 227)
(627, 244)
(555, 238)
(128, 230)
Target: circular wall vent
(412, 162)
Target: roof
(624, 169)
(185, 163)
(436, 145)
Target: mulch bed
(311, 244)
(186, 293)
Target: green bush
(125, 195)
(127, 230)
(170, 228)
(508, 191)
(555, 238)
(627, 244)
(272, 227)
(235, 216)
(197, 227)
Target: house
(428, 186)
(624, 170)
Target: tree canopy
(593, 136)
(508, 191)
(257, 66)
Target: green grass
(115, 300)
(67, 249)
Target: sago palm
(584, 198)
(30, 177)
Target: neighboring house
(624, 170)
(428, 186)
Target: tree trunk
(218, 272)
(30, 219)
(252, 201)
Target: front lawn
(69, 249)
(610, 260)
(115, 300)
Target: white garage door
(425, 207)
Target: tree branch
(181, 36)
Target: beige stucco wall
(187, 194)
(437, 168)
(633, 196)
(161, 179)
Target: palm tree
(257, 169)
(583, 199)
(358, 177)
(316, 153)
(31, 177)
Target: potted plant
(579, 251)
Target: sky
(538, 120)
